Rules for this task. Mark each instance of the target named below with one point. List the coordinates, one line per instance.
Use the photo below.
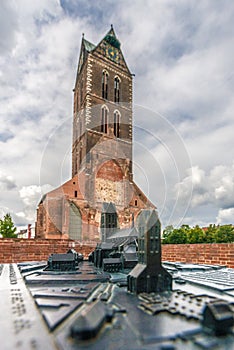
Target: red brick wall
(18, 250)
(213, 254)
(110, 171)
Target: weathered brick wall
(214, 254)
(18, 250)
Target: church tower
(102, 122)
(101, 151)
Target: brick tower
(101, 149)
(102, 125)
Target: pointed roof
(147, 218)
(108, 208)
(90, 320)
(88, 45)
(124, 233)
(137, 270)
(111, 38)
(153, 219)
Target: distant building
(101, 151)
(22, 233)
(27, 233)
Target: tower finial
(82, 35)
(111, 26)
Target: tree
(7, 227)
(210, 233)
(196, 235)
(167, 231)
(186, 234)
(225, 234)
(176, 236)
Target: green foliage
(225, 234)
(210, 233)
(186, 234)
(196, 235)
(167, 231)
(7, 228)
(176, 236)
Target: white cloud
(222, 178)
(182, 55)
(215, 189)
(225, 216)
(21, 214)
(30, 196)
(4, 211)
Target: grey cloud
(7, 182)
(215, 187)
(8, 26)
(5, 135)
(182, 55)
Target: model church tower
(101, 150)
(149, 275)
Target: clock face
(112, 53)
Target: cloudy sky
(182, 55)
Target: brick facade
(101, 152)
(18, 250)
(211, 254)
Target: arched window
(75, 223)
(104, 121)
(105, 78)
(117, 89)
(116, 123)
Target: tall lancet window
(116, 123)
(104, 121)
(105, 78)
(117, 89)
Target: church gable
(109, 49)
(110, 170)
(140, 199)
